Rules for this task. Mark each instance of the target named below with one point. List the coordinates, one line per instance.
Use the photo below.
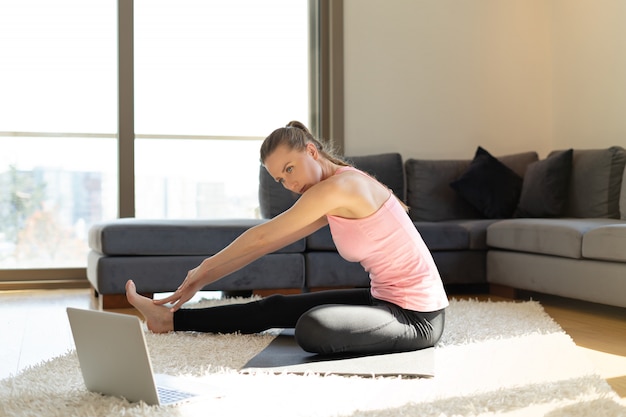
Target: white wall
(589, 60)
(434, 79)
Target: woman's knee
(311, 333)
(332, 329)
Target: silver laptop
(114, 359)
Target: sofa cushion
(443, 235)
(387, 168)
(546, 186)
(476, 231)
(132, 236)
(560, 237)
(154, 274)
(430, 196)
(606, 243)
(438, 236)
(329, 269)
(454, 234)
(596, 183)
(490, 186)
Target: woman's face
(296, 170)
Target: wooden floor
(34, 328)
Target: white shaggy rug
(495, 358)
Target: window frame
(326, 121)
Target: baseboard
(503, 291)
(47, 284)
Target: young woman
(404, 308)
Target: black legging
(325, 322)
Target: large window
(58, 170)
(211, 79)
(225, 73)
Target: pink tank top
(387, 244)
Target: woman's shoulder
(350, 174)
(357, 193)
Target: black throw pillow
(546, 186)
(490, 186)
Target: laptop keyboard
(168, 396)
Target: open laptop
(114, 359)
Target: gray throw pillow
(429, 195)
(546, 186)
(596, 183)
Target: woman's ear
(312, 150)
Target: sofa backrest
(387, 168)
(596, 183)
(430, 196)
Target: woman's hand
(190, 286)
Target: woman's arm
(235, 256)
(306, 216)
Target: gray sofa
(463, 211)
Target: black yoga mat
(283, 355)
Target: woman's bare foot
(159, 319)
